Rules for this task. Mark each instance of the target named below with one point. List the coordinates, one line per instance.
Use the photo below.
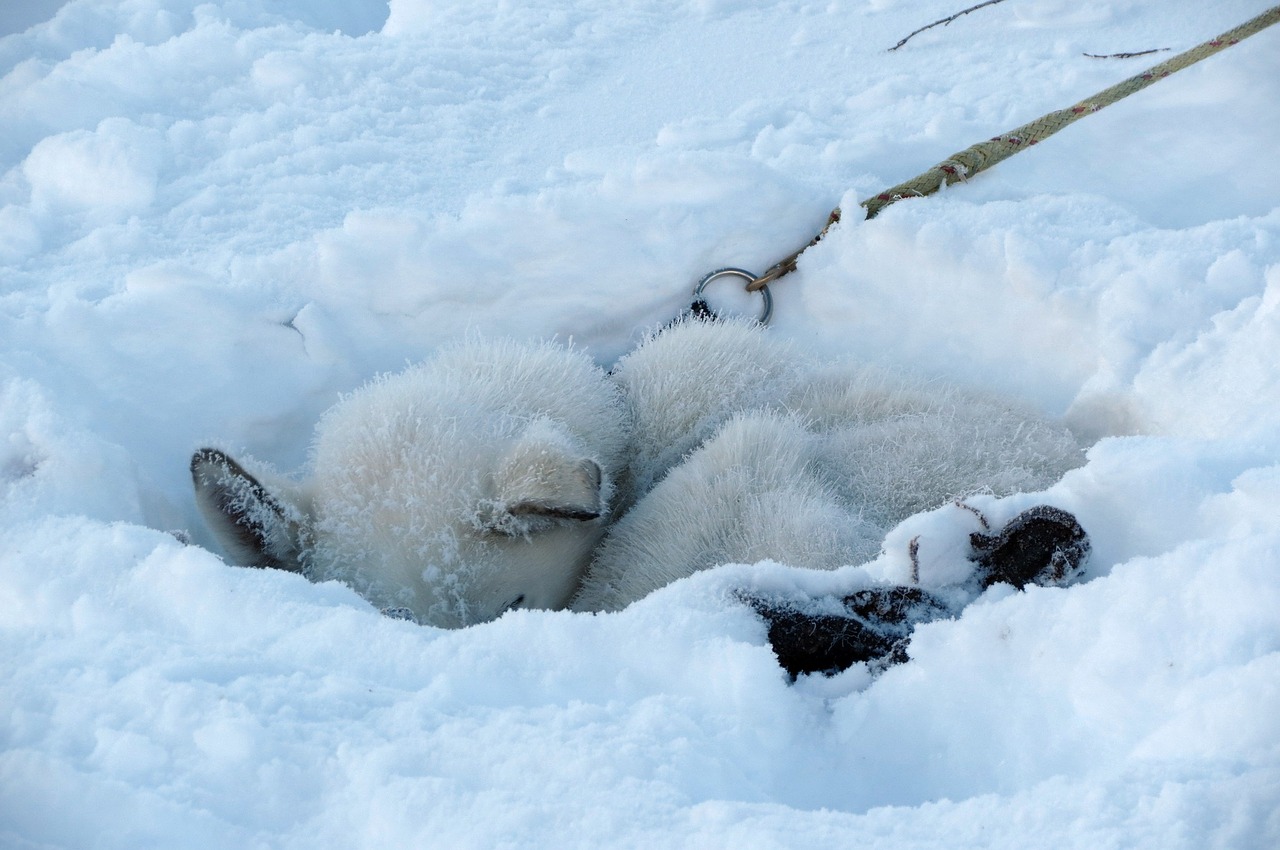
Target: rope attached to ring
(978, 158)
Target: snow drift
(215, 218)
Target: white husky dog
(486, 478)
(744, 450)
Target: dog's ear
(254, 526)
(544, 477)
(564, 488)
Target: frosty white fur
(456, 489)
(759, 453)
(484, 479)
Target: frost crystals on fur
(455, 490)
(502, 475)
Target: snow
(216, 217)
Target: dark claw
(1042, 545)
(874, 629)
(825, 643)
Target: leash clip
(700, 305)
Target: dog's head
(460, 489)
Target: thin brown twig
(944, 22)
(1128, 55)
(986, 526)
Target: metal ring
(747, 276)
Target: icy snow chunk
(1224, 381)
(109, 172)
(49, 466)
(1250, 506)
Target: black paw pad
(1042, 545)
(874, 628)
(823, 643)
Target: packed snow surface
(218, 217)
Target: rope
(978, 158)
